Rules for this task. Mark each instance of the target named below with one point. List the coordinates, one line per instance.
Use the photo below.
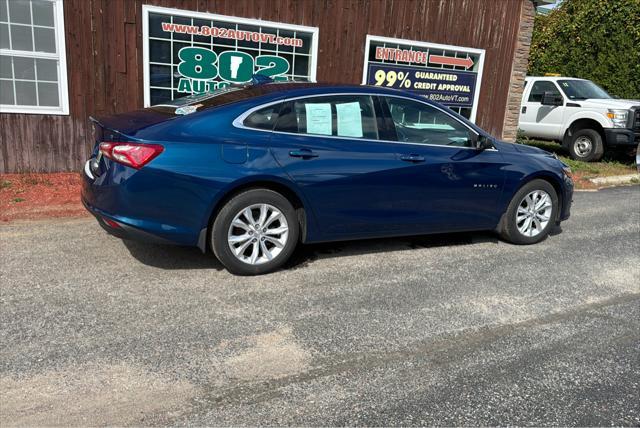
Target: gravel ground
(444, 330)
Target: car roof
(269, 92)
(293, 89)
(552, 78)
(264, 93)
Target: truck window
(539, 88)
(582, 90)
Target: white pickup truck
(580, 115)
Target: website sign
(192, 52)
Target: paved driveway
(447, 330)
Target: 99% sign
(389, 78)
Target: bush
(591, 39)
(521, 138)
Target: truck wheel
(586, 145)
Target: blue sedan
(251, 171)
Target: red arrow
(449, 60)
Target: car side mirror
(482, 142)
(552, 99)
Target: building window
(33, 72)
(187, 52)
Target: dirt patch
(582, 181)
(93, 395)
(36, 196)
(273, 355)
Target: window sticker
(318, 118)
(187, 109)
(349, 119)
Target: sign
(449, 75)
(451, 88)
(188, 52)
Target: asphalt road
(447, 330)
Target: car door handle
(303, 153)
(412, 158)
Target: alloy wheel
(534, 213)
(258, 234)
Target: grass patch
(549, 146)
(611, 164)
(5, 184)
(18, 200)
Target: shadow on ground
(306, 254)
(171, 257)
(175, 257)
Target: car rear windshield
(582, 89)
(199, 102)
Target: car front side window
(421, 123)
(349, 116)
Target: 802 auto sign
(199, 66)
(191, 52)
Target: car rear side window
(420, 123)
(265, 118)
(350, 116)
(539, 88)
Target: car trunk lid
(120, 128)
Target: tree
(597, 40)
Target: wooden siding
(104, 59)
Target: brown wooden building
(66, 60)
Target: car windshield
(582, 89)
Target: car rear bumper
(122, 230)
(131, 204)
(621, 137)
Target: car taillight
(134, 155)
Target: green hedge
(597, 40)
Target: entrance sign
(450, 75)
(187, 52)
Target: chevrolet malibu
(251, 171)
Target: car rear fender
(276, 183)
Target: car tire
(261, 244)
(522, 223)
(586, 145)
